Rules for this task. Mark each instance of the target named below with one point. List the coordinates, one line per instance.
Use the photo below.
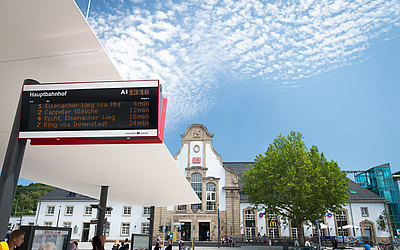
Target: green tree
(26, 198)
(297, 183)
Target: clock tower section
(214, 183)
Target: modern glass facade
(380, 181)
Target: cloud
(187, 45)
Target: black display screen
(95, 109)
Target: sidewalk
(108, 246)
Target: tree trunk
(300, 231)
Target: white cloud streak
(187, 45)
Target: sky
(251, 70)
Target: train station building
(218, 186)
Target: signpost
(11, 170)
(92, 113)
(118, 112)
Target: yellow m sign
(272, 223)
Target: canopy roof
(50, 41)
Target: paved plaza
(108, 246)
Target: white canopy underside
(50, 41)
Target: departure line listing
(91, 114)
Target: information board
(127, 109)
(39, 238)
(140, 241)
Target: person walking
(96, 243)
(116, 245)
(158, 244)
(269, 244)
(169, 247)
(126, 244)
(103, 240)
(334, 243)
(367, 246)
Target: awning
(50, 41)
(323, 226)
(350, 226)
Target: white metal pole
(163, 233)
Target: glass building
(380, 181)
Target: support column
(101, 210)
(11, 169)
(236, 213)
(151, 227)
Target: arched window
(250, 224)
(211, 197)
(341, 220)
(273, 229)
(196, 181)
(295, 231)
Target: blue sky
(250, 70)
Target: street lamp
(219, 238)
(352, 219)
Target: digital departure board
(91, 110)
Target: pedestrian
(76, 244)
(308, 244)
(158, 244)
(48, 246)
(169, 247)
(180, 244)
(122, 247)
(367, 246)
(96, 243)
(269, 243)
(126, 244)
(183, 247)
(8, 234)
(208, 235)
(71, 246)
(334, 242)
(103, 240)
(16, 239)
(116, 245)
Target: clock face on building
(196, 148)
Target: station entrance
(186, 231)
(204, 231)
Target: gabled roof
(360, 194)
(238, 167)
(59, 194)
(357, 193)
